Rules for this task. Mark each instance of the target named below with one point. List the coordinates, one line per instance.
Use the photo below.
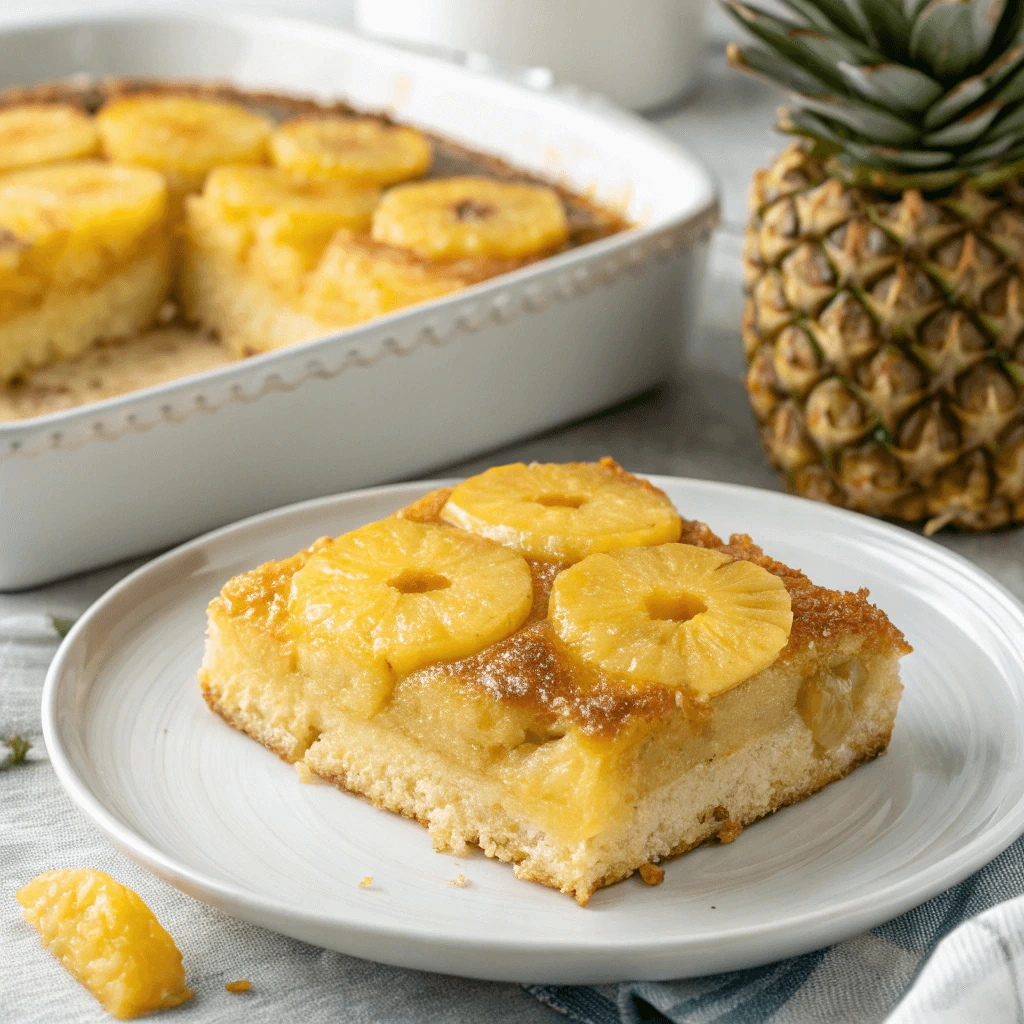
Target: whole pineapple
(884, 258)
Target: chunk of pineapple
(673, 615)
(107, 939)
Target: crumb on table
(459, 882)
(238, 986)
(652, 874)
(366, 882)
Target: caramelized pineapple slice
(356, 149)
(673, 615)
(182, 136)
(73, 222)
(452, 218)
(289, 221)
(393, 596)
(561, 512)
(44, 133)
(264, 191)
(107, 939)
(357, 279)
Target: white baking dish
(411, 391)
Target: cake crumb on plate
(652, 874)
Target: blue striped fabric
(957, 959)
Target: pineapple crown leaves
(899, 93)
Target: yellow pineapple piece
(451, 218)
(358, 279)
(68, 225)
(393, 596)
(264, 191)
(44, 133)
(356, 149)
(80, 207)
(559, 512)
(673, 615)
(182, 136)
(107, 939)
(288, 221)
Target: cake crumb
(729, 832)
(366, 882)
(238, 986)
(306, 777)
(460, 882)
(652, 874)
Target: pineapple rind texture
(468, 216)
(356, 149)
(107, 939)
(885, 344)
(396, 595)
(673, 615)
(34, 134)
(557, 512)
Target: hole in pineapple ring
(415, 581)
(560, 501)
(675, 607)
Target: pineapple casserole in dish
(157, 216)
(549, 662)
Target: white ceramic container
(641, 55)
(405, 393)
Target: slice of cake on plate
(550, 663)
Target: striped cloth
(956, 960)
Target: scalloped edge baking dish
(401, 395)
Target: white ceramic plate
(215, 814)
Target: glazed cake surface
(260, 220)
(576, 776)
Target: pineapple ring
(107, 939)
(183, 136)
(43, 133)
(358, 149)
(396, 595)
(561, 513)
(452, 218)
(72, 219)
(674, 615)
(266, 191)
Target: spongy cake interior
(576, 780)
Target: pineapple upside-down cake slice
(548, 662)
